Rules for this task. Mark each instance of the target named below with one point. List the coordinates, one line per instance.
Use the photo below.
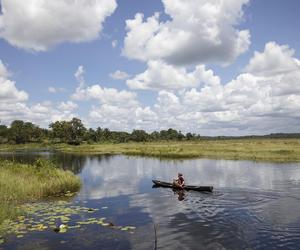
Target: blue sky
(211, 67)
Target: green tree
(180, 136)
(22, 132)
(3, 134)
(90, 135)
(17, 132)
(77, 131)
(60, 131)
(71, 132)
(139, 135)
(120, 137)
(99, 133)
(106, 135)
(155, 136)
(189, 136)
(170, 134)
(32, 132)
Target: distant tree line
(74, 132)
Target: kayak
(187, 187)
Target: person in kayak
(180, 181)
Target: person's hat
(180, 174)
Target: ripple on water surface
(253, 206)
(228, 218)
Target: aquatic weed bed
(58, 217)
(21, 183)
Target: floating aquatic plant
(58, 216)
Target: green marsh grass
(271, 150)
(23, 182)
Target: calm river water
(253, 206)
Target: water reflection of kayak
(187, 187)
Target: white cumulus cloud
(68, 106)
(41, 24)
(122, 118)
(119, 75)
(199, 31)
(8, 91)
(160, 75)
(14, 104)
(102, 94)
(53, 90)
(275, 59)
(114, 43)
(254, 102)
(79, 75)
(3, 70)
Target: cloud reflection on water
(122, 175)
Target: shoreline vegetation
(73, 137)
(21, 183)
(262, 149)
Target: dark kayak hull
(195, 188)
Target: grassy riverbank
(22, 182)
(273, 150)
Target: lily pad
(128, 228)
(64, 230)
(44, 215)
